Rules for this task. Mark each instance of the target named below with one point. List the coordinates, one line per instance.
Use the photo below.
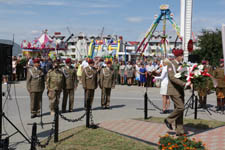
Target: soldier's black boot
(33, 116)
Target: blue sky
(129, 18)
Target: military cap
(108, 62)
(68, 60)
(178, 52)
(90, 61)
(36, 60)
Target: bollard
(33, 136)
(146, 106)
(56, 135)
(196, 106)
(88, 114)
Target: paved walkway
(149, 132)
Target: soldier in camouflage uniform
(107, 82)
(89, 81)
(35, 86)
(203, 91)
(220, 89)
(55, 84)
(70, 85)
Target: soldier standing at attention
(70, 85)
(89, 81)
(220, 89)
(176, 92)
(55, 84)
(35, 86)
(203, 91)
(107, 82)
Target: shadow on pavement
(111, 107)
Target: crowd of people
(64, 76)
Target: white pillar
(187, 27)
(182, 18)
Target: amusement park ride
(184, 33)
(165, 15)
(111, 46)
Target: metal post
(196, 106)
(193, 98)
(146, 106)
(33, 137)
(56, 136)
(1, 106)
(88, 113)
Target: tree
(210, 46)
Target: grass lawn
(197, 124)
(95, 139)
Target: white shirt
(149, 68)
(84, 64)
(137, 74)
(163, 77)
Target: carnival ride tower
(165, 15)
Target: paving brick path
(149, 132)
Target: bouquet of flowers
(195, 74)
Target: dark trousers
(89, 96)
(105, 97)
(177, 114)
(66, 93)
(35, 102)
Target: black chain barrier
(34, 139)
(154, 105)
(48, 140)
(72, 120)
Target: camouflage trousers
(105, 97)
(54, 97)
(67, 92)
(35, 102)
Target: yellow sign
(164, 7)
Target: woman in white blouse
(164, 86)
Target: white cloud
(32, 2)
(50, 3)
(35, 32)
(103, 6)
(135, 19)
(97, 12)
(20, 12)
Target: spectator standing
(164, 86)
(79, 72)
(142, 75)
(130, 73)
(84, 63)
(122, 73)
(14, 64)
(116, 68)
(137, 73)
